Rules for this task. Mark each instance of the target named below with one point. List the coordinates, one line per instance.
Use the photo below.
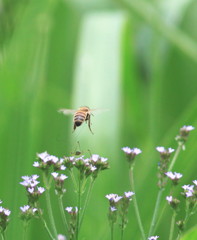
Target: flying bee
(81, 115)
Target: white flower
(169, 199)
(7, 212)
(68, 209)
(24, 208)
(62, 167)
(103, 159)
(34, 210)
(187, 128)
(92, 168)
(128, 194)
(36, 164)
(61, 237)
(134, 151)
(54, 174)
(95, 157)
(113, 197)
(30, 190)
(112, 209)
(153, 238)
(43, 155)
(173, 176)
(189, 189)
(41, 190)
(63, 177)
(189, 194)
(127, 150)
(163, 150)
(195, 182)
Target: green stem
(179, 236)
(87, 200)
(49, 208)
(73, 178)
(172, 226)
(175, 156)
(135, 203)
(3, 235)
(79, 206)
(112, 231)
(158, 201)
(25, 225)
(122, 229)
(62, 211)
(46, 227)
(153, 222)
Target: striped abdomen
(79, 118)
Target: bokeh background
(136, 58)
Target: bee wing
(66, 111)
(99, 110)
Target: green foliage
(116, 55)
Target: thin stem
(158, 201)
(112, 231)
(3, 235)
(46, 227)
(153, 222)
(73, 178)
(172, 226)
(122, 229)
(135, 203)
(25, 225)
(87, 200)
(179, 236)
(175, 156)
(61, 207)
(79, 206)
(49, 208)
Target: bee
(81, 115)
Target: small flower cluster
(33, 191)
(28, 212)
(163, 164)
(46, 161)
(174, 177)
(59, 183)
(183, 135)
(4, 218)
(173, 202)
(119, 204)
(73, 212)
(190, 190)
(131, 153)
(87, 166)
(190, 194)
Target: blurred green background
(137, 58)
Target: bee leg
(74, 127)
(89, 123)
